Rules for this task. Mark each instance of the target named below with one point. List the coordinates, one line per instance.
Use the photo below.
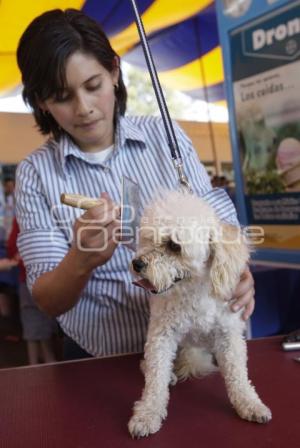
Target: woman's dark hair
(43, 50)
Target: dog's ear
(229, 255)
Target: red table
(87, 404)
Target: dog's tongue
(145, 284)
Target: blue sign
(261, 51)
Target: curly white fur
(194, 262)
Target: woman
(73, 82)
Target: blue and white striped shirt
(112, 314)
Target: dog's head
(181, 240)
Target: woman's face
(85, 108)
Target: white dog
(193, 264)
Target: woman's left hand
(244, 295)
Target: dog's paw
(255, 412)
(145, 420)
(141, 425)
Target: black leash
(172, 141)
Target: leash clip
(183, 180)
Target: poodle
(191, 263)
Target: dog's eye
(174, 247)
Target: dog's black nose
(138, 264)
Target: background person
(38, 329)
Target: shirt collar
(66, 147)
(126, 130)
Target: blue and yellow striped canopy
(182, 35)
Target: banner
(263, 55)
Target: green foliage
(142, 100)
(288, 130)
(267, 183)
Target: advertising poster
(265, 64)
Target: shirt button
(106, 169)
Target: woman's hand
(96, 234)
(244, 295)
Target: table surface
(88, 403)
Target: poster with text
(265, 57)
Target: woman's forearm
(57, 291)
